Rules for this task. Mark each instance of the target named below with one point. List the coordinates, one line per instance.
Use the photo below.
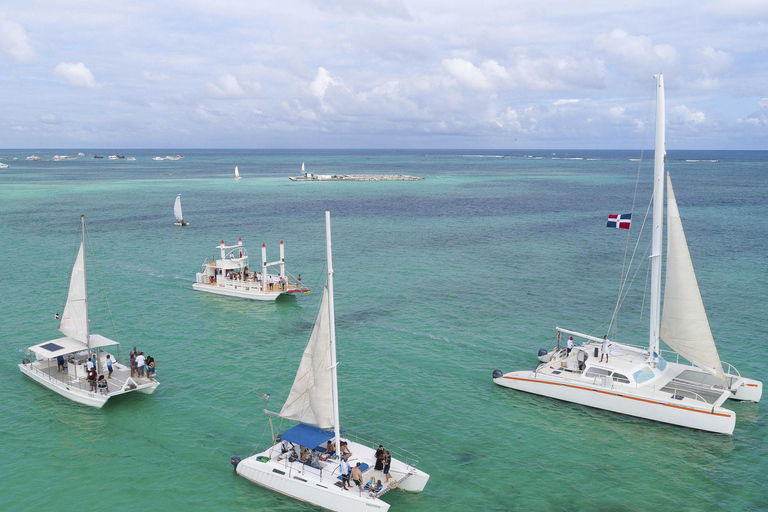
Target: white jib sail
(237, 172)
(311, 397)
(74, 320)
(684, 324)
(177, 209)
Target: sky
(388, 74)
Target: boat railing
(79, 383)
(299, 467)
(676, 392)
(396, 452)
(730, 367)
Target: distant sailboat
(237, 173)
(177, 212)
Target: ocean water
(438, 283)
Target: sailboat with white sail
(640, 381)
(178, 213)
(62, 364)
(237, 173)
(297, 463)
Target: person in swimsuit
(357, 476)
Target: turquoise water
(438, 282)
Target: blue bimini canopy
(308, 436)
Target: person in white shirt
(605, 349)
(569, 346)
(344, 467)
(140, 359)
(89, 364)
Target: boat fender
(497, 374)
(235, 461)
(542, 352)
(25, 361)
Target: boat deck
(121, 381)
(252, 286)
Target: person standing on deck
(109, 366)
(344, 468)
(357, 476)
(569, 346)
(604, 349)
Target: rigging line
(101, 285)
(632, 210)
(648, 248)
(631, 261)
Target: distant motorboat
(116, 156)
(33, 158)
(3, 166)
(177, 212)
(237, 173)
(132, 158)
(98, 156)
(158, 158)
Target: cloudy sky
(503, 74)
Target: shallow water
(438, 282)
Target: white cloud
(14, 40)
(160, 77)
(77, 74)
(50, 119)
(687, 115)
(564, 102)
(635, 50)
(616, 111)
(321, 83)
(753, 121)
(489, 75)
(226, 87)
(509, 120)
(763, 103)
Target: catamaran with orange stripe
(639, 381)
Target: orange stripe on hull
(621, 396)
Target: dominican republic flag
(265, 395)
(620, 221)
(56, 316)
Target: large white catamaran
(61, 364)
(638, 381)
(292, 464)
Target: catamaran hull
(750, 391)
(716, 419)
(325, 495)
(242, 294)
(78, 395)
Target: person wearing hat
(569, 346)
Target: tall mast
(658, 218)
(332, 321)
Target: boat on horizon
(229, 274)
(61, 364)
(297, 462)
(237, 173)
(640, 381)
(177, 212)
(4, 166)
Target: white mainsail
(74, 320)
(237, 173)
(302, 168)
(311, 398)
(684, 323)
(177, 209)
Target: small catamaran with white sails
(61, 364)
(292, 464)
(638, 381)
(178, 213)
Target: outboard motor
(542, 352)
(25, 361)
(497, 374)
(235, 461)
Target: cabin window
(597, 372)
(620, 378)
(662, 363)
(643, 375)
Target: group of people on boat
(97, 383)
(141, 365)
(373, 486)
(246, 275)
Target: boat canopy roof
(67, 345)
(309, 436)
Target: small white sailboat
(3, 166)
(61, 364)
(639, 381)
(292, 464)
(237, 173)
(229, 274)
(177, 212)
